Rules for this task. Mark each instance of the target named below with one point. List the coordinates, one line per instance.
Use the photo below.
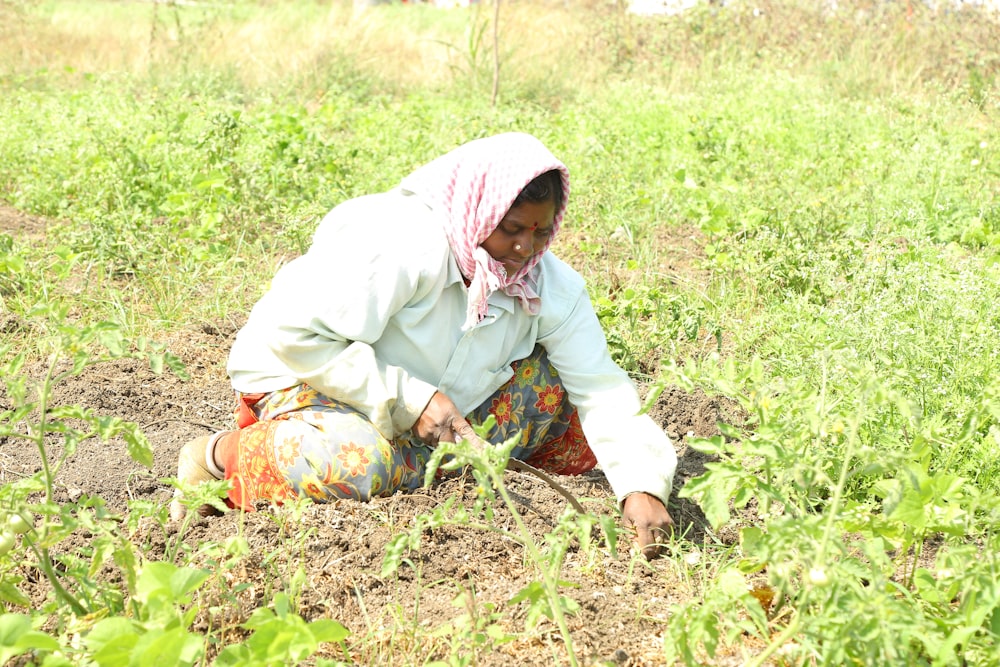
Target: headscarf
(472, 187)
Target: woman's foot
(193, 468)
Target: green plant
(18, 636)
(477, 631)
(487, 464)
(32, 419)
(279, 637)
(814, 471)
(641, 321)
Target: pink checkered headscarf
(472, 187)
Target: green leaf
(113, 340)
(731, 582)
(105, 630)
(10, 420)
(750, 540)
(12, 628)
(138, 447)
(159, 579)
(394, 551)
(175, 365)
(715, 445)
(280, 638)
(107, 426)
(610, 529)
(927, 586)
(111, 641)
(328, 630)
(156, 363)
(730, 431)
(533, 592)
(236, 655)
(175, 646)
(17, 637)
(712, 490)
(103, 550)
(12, 594)
(910, 510)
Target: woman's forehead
(532, 214)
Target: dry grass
(547, 49)
(275, 43)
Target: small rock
(620, 656)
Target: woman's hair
(544, 187)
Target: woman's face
(521, 234)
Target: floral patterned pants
(297, 442)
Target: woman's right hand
(442, 422)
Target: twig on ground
(210, 427)
(515, 464)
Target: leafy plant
(33, 420)
(18, 636)
(477, 631)
(818, 476)
(280, 637)
(487, 464)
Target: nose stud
(517, 246)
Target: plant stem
(551, 586)
(516, 464)
(776, 643)
(831, 518)
(43, 411)
(496, 53)
(838, 492)
(44, 560)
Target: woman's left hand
(649, 518)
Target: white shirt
(372, 315)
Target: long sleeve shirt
(372, 316)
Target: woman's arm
(635, 454)
(325, 310)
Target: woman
(416, 311)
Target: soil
(624, 600)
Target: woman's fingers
(463, 431)
(435, 424)
(652, 524)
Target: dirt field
(624, 602)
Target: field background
(788, 214)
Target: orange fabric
(244, 415)
(234, 450)
(227, 451)
(260, 465)
(251, 453)
(568, 454)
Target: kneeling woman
(415, 312)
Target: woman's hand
(649, 518)
(442, 422)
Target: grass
(832, 178)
